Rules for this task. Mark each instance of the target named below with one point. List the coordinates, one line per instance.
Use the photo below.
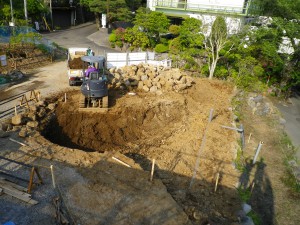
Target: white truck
(75, 64)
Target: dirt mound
(169, 128)
(76, 63)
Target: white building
(235, 11)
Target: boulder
(32, 124)
(51, 106)
(117, 76)
(144, 77)
(17, 120)
(112, 70)
(169, 85)
(180, 87)
(23, 133)
(148, 83)
(140, 85)
(182, 80)
(153, 89)
(176, 74)
(145, 88)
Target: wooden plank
(13, 185)
(19, 195)
(16, 191)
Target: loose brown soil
(170, 129)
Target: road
(85, 35)
(291, 113)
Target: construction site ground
(172, 128)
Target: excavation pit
(168, 128)
(137, 122)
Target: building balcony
(184, 7)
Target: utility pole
(25, 11)
(107, 13)
(51, 14)
(11, 11)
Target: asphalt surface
(82, 36)
(291, 113)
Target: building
(66, 13)
(235, 11)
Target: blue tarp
(6, 32)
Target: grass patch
(289, 179)
(239, 160)
(255, 217)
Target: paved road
(291, 113)
(83, 36)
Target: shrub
(160, 48)
(112, 38)
(174, 29)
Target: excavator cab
(94, 91)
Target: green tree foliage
(152, 23)
(117, 10)
(188, 44)
(289, 9)
(174, 29)
(161, 48)
(136, 38)
(35, 9)
(189, 34)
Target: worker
(89, 52)
(90, 69)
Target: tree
(116, 10)
(152, 23)
(289, 9)
(136, 38)
(35, 9)
(215, 43)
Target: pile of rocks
(149, 78)
(27, 121)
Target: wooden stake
(53, 178)
(152, 170)
(217, 181)
(30, 180)
(252, 186)
(118, 160)
(65, 97)
(249, 137)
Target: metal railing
(184, 5)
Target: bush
(112, 38)
(119, 44)
(174, 29)
(160, 48)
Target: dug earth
(168, 125)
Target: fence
(133, 58)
